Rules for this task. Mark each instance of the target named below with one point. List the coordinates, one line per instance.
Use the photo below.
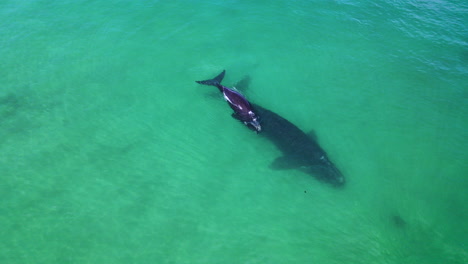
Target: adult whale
(243, 110)
(300, 150)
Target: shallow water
(111, 153)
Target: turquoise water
(111, 153)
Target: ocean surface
(111, 153)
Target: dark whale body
(300, 151)
(243, 110)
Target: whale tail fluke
(216, 81)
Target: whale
(243, 109)
(300, 151)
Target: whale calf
(243, 110)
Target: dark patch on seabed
(20, 114)
(398, 221)
(9, 106)
(10, 123)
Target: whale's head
(332, 175)
(327, 172)
(253, 122)
(254, 125)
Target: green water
(111, 153)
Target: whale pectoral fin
(283, 163)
